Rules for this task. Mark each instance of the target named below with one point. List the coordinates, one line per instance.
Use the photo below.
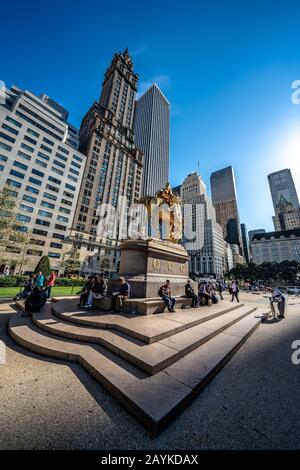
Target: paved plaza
(250, 404)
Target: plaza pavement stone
(251, 404)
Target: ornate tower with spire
(114, 165)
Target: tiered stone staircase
(153, 365)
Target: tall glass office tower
(224, 198)
(152, 131)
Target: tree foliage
(43, 266)
(14, 236)
(287, 271)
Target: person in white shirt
(278, 296)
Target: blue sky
(225, 66)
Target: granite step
(153, 357)
(176, 386)
(145, 328)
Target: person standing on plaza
(166, 295)
(234, 291)
(50, 282)
(40, 280)
(279, 297)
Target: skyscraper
(224, 199)
(114, 163)
(285, 200)
(40, 163)
(245, 242)
(208, 252)
(282, 187)
(152, 130)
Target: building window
(26, 147)
(10, 129)
(13, 121)
(5, 147)
(45, 213)
(50, 196)
(54, 180)
(61, 218)
(32, 190)
(43, 147)
(56, 245)
(29, 199)
(25, 208)
(42, 155)
(23, 218)
(17, 174)
(43, 233)
(32, 132)
(20, 165)
(35, 181)
(33, 252)
(42, 222)
(37, 173)
(7, 137)
(24, 155)
(30, 140)
(53, 255)
(47, 204)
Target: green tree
(70, 258)
(43, 266)
(14, 237)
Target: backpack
(160, 291)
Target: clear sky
(225, 66)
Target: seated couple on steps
(96, 288)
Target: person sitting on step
(84, 293)
(92, 290)
(190, 293)
(204, 294)
(166, 295)
(97, 291)
(122, 294)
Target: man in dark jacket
(84, 293)
(189, 292)
(35, 302)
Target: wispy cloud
(163, 81)
(139, 51)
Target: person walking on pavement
(220, 288)
(234, 291)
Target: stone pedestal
(147, 264)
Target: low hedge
(65, 281)
(12, 281)
(17, 281)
